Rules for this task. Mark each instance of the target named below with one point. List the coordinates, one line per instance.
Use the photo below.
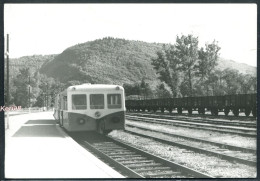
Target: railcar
(236, 103)
(91, 107)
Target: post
(45, 102)
(7, 78)
(29, 91)
(7, 70)
(47, 96)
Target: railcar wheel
(247, 112)
(214, 111)
(226, 111)
(254, 111)
(236, 111)
(190, 110)
(202, 111)
(170, 110)
(162, 110)
(179, 110)
(143, 110)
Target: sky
(51, 28)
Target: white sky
(51, 28)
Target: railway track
(133, 162)
(248, 132)
(230, 153)
(240, 123)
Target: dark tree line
(29, 89)
(142, 90)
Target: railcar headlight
(115, 119)
(81, 121)
(97, 114)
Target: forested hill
(33, 62)
(105, 61)
(241, 67)
(116, 61)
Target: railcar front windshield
(79, 101)
(97, 101)
(114, 101)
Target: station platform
(35, 147)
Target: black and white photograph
(118, 90)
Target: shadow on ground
(41, 121)
(39, 128)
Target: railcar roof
(94, 87)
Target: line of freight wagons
(236, 103)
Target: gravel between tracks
(230, 139)
(207, 164)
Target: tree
(186, 55)
(142, 89)
(146, 90)
(231, 79)
(207, 60)
(253, 83)
(247, 83)
(162, 92)
(216, 83)
(166, 66)
(186, 69)
(132, 89)
(39, 101)
(21, 97)
(176, 65)
(206, 64)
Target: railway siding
(244, 132)
(219, 152)
(223, 145)
(240, 123)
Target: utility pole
(7, 78)
(7, 70)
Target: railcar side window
(114, 101)
(97, 101)
(79, 101)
